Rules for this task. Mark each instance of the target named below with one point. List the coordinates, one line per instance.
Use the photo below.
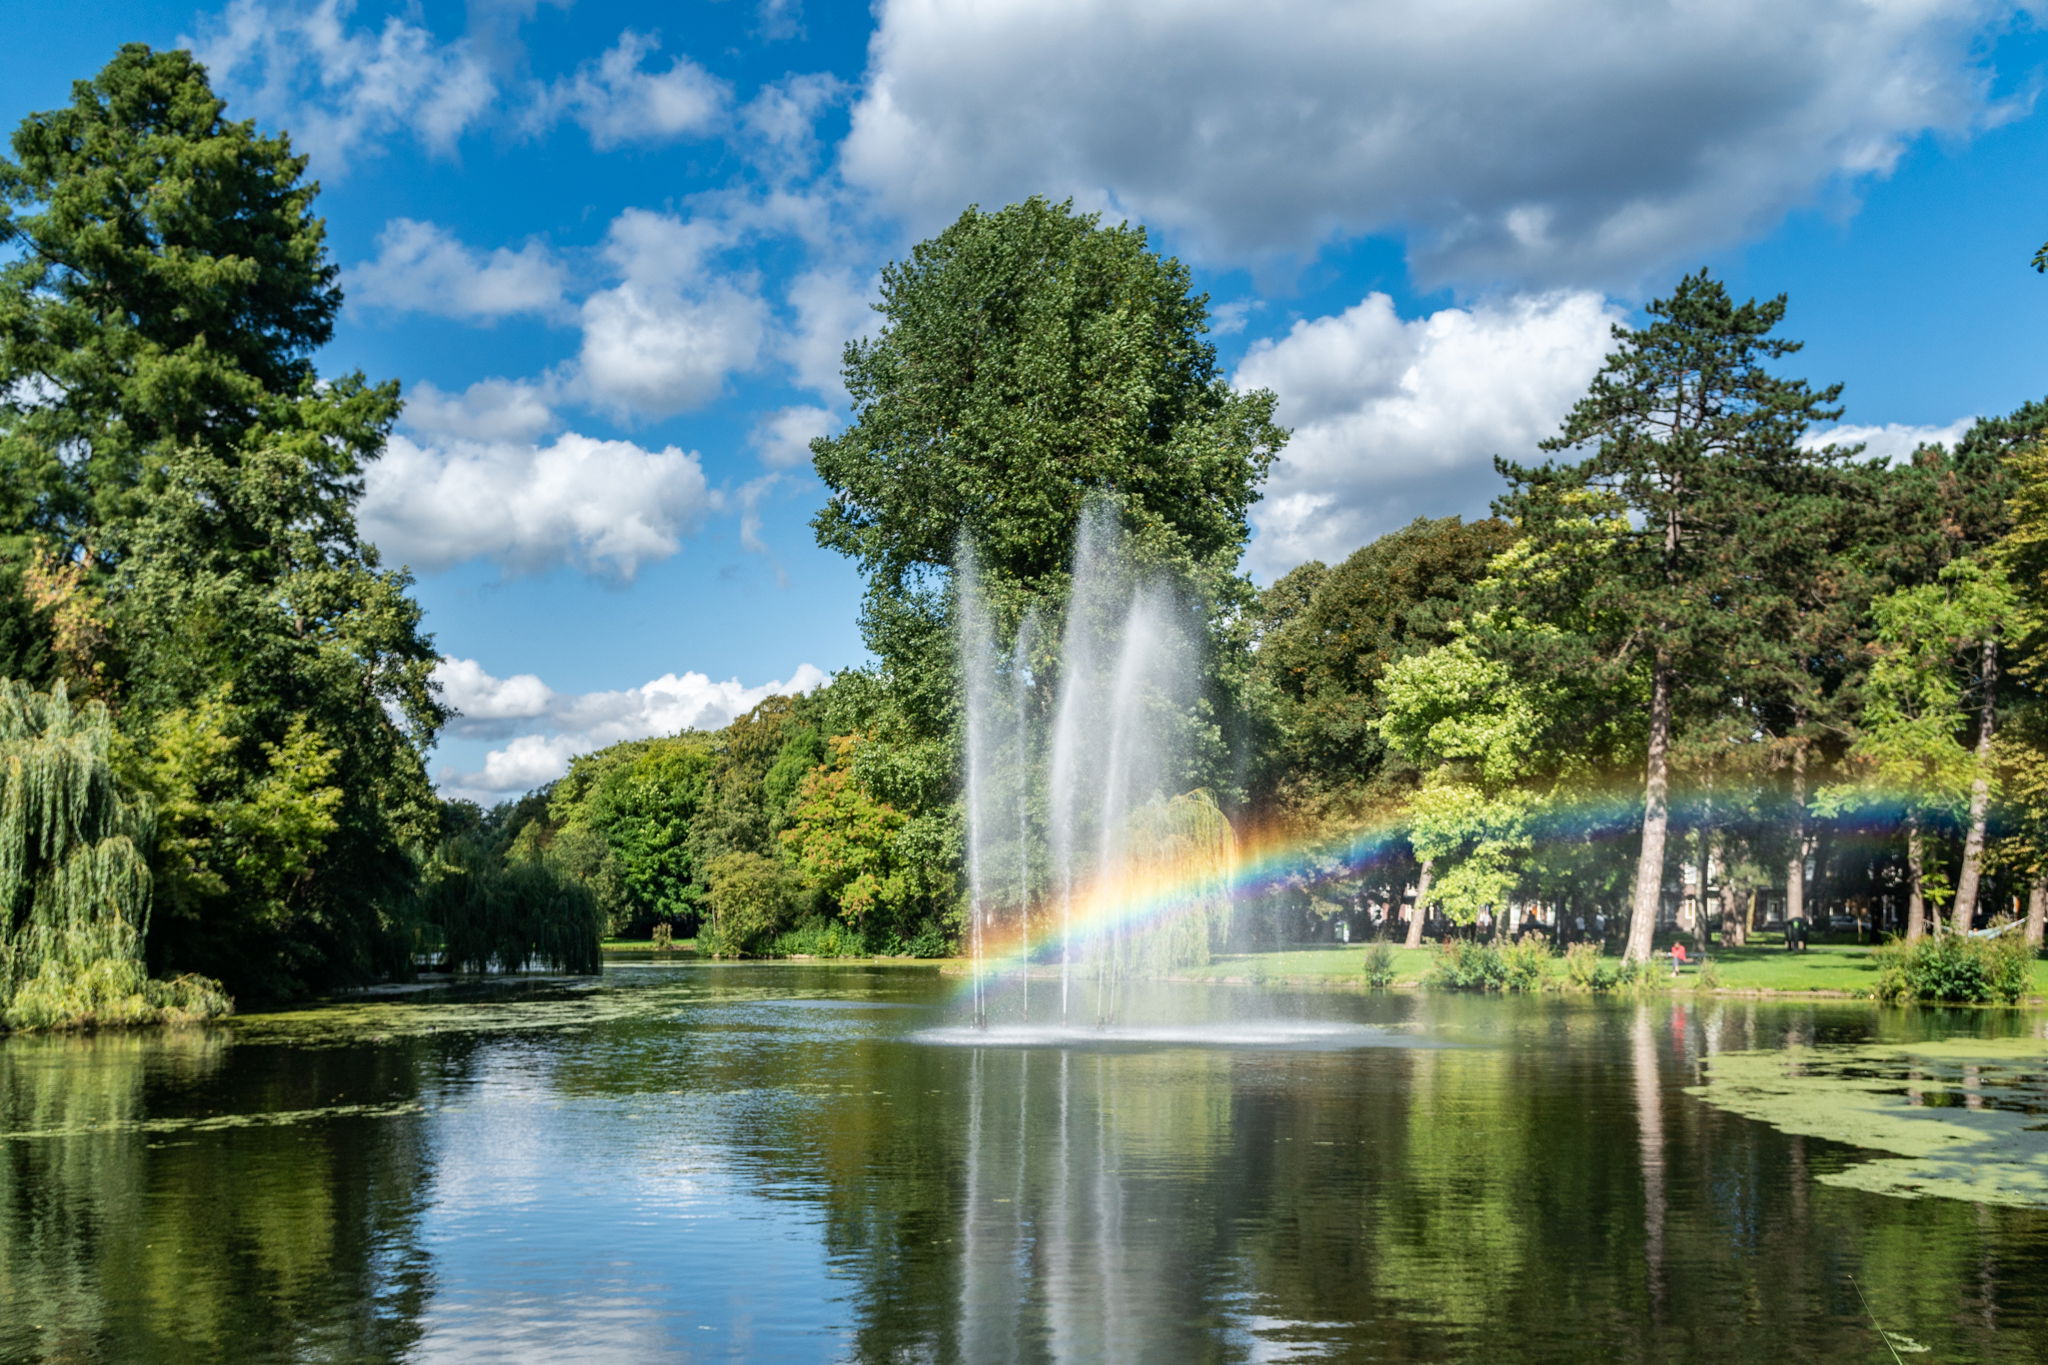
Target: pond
(809, 1163)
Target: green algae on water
(1966, 1118)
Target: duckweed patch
(1965, 1118)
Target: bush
(1466, 965)
(1379, 965)
(96, 980)
(1957, 969)
(817, 938)
(1584, 971)
(1526, 965)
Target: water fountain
(1084, 843)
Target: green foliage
(1528, 963)
(1497, 965)
(848, 848)
(749, 899)
(1585, 971)
(1327, 636)
(177, 506)
(1957, 969)
(74, 890)
(817, 938)
(1461, 964)
(1028, 359)
(490, 914)
(1379, 964)
(1032, 364)
(638, 801)
(169, 280)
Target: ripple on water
(1286, 1035)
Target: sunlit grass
(1847, 968)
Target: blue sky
(613, 250)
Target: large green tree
(1032, 362)
(177, 497)
(1328, 636)
(1668, 532)
(168, 285)
(1032, 358)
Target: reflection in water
(761, 1164)
(136, 1224)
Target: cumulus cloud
(831, 308)
(616, 100)
(783, 438)
(342, 89)
(604, 506)
(1523, 144)
(1892, 442)
(665, 338)
(500, 410)
(422, 267)
(780, 123)
(1398, 418)
(544, 729)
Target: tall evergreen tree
(1690, 443)
(177, 498)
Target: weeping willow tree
(1176, 879)
(494, 913)
(74, 889)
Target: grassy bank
(642, 945)
(1843, 969)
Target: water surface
(816, 1163)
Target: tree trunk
(1421, 904)
(1642, 921)
(1980, 795)
(1795, 866)
(1916, 878)
(2037, 909)
(1700, 930)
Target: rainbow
(1134, 899)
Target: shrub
(1957, 969)
(1466, 965)
(1526, 965)
(1584, 971)
(663, 937)
(1379, 965)
(817, 938)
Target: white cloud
(339, 89)
(1530, 144)
(832, 307)
(666, 337)
(1395, 419)
(781, 122)
(423, 268)
(783, 438)
(491, 410)
(656, 352)
(616, 101)
(548, 728)
(1891, 442)
(604, 506)
(480, 699)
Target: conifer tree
(1662, 534)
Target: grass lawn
(1847, 968)
(642, 945)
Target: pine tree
(1670, 534)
